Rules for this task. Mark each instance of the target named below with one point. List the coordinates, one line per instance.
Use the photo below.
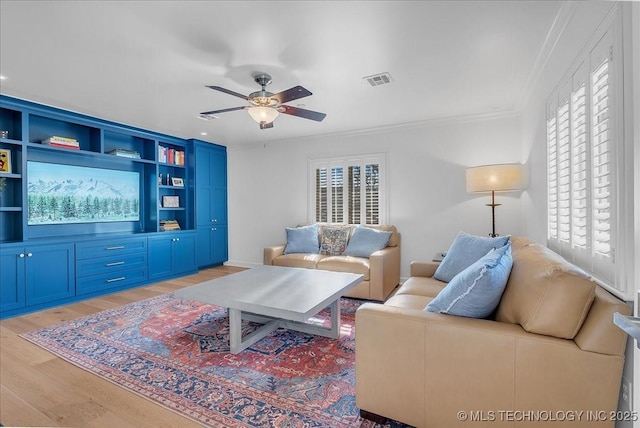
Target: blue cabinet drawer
(110, 280)
(115, 263)
(110, 247)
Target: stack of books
(125, 153)
(172, 156)
(62, 142)
(166, 225)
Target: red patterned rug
(176, 353)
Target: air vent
(379, 79)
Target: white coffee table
(276, 297)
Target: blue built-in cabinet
(43, 264)
(210, 183)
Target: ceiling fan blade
(291, 94)
(307, 114)
(228, 91)
(209, 113)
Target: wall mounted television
(63, 194)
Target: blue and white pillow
(476, 291)
(465, 250)
(302, 239)
(366, 241)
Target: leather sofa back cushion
(546, 294)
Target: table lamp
(495, 178)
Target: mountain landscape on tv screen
(81, 195)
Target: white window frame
(578, 246)
(345, 162)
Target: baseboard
(241, 264)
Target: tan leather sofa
(551, 352)
(381, 270)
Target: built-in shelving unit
(166, 169)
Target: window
(347, 190)
(581, 162)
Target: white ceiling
(146, 63)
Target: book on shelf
(62, 146)
(125, 153)
(166, 225)
(61, 140)
(170, 156)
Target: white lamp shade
(263, 114)
(499, 178)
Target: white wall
(425, 164)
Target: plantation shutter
(579, 164)
(564, 173)
(337, 194)
(372, 195)
(354, 195)
(552, 173)
(602, 158)
(347, 190)
(321, 193)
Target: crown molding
(427, 123)
(557, 29)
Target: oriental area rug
(176, 353)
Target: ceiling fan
(266, 106)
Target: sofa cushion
(302, 239)
(300, 260)
(546, 294)
(475, 292)
(345, 264)
(408, 301)
(366, 241)
(333, 240)
(421, 286)
(465, 250)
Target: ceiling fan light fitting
(263, 114)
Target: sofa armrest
(422, 368)
(384, 272)
(419, 358)
(271, 253)
(426, 269)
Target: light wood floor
(40, 389)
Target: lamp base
(493, 206)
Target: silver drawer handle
(116, 279)
(114, 264)
(119, 247)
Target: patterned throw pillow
(333, 240)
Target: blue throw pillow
(302, 239)
(464, 251)
(366, 241)
(476, 291)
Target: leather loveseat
(381, 270)
(550, 355)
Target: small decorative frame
(177, 182)
(171, 201)
(5, 161)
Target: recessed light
(203, 133)
(2, 77)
